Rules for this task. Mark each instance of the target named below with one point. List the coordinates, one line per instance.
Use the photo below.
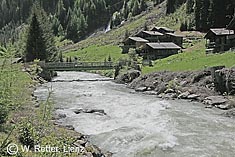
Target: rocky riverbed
(214, 87)
(132, 124)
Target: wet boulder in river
(215, 100)
(128, 77)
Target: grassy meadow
(193, 58)
(97, 53)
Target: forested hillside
(77, 19)
(208, 13)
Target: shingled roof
(154, 33)
(175, 35)
(138, 39)
(165, 29)
(222, 31)
(164, 45)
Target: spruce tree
(61, 57)
(143, 5)
(219, 13)
(204, 16)
(60, 30)
(198, 8)
(170, 6)
(83, 26)
(125, 10)
(35, 44)
(136, 8)
(189, 6)
(61, 12)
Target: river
(138, 125)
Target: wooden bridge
(77, 66)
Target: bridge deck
(78, 66)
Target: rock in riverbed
(184, 95)
(69, 127)
(58, 116)
(193, 96)
(141, 89)
(97, 111)
(215, 100)
(128, 77)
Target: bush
(27, 134)
(3, 113)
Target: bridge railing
(78, 64)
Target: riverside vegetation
(26, 122)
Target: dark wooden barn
(220, 40)
(133, 42)
(177, 39)
(159, 50)
(151, 36)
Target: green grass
(97, 53)
(194, 58)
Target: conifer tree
(219, 13)
(198, 7)
(40, 43)
(136, 8)
(204, 16)
(60, 30)
(61, 57)
(35, 44)
(61, 12)
(109, 58)
(125, 10)
(143, 5)
(189, 6)
(83, 26)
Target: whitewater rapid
(138, 125)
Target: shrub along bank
(26, 122)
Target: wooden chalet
(133, 42)
(160, 50)
(219, 40)
(177, 39)
(155, 36)
(151, 36)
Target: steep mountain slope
(155, 16)
(101, 45)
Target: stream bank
(130, 124)
(214, 86)
(34, 123)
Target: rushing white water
(137, 125)
(108, 28)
